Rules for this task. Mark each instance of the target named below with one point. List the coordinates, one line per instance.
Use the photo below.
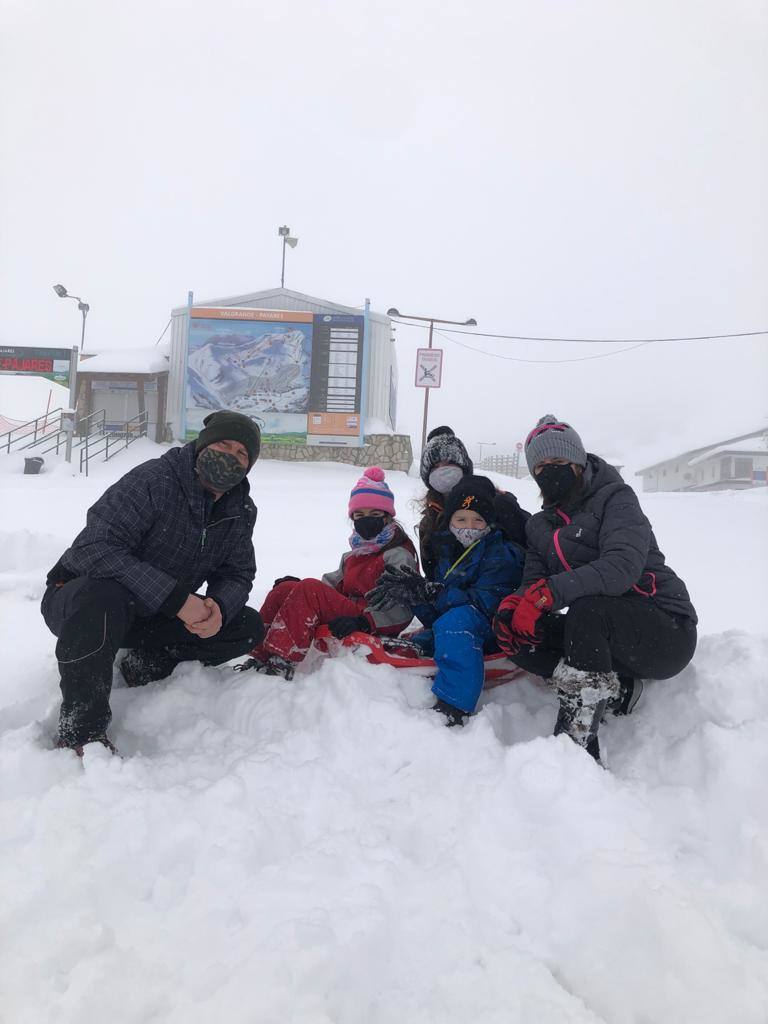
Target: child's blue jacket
(480, 575)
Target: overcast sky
(594, 168)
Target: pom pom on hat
(371, 491)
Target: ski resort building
(318, 377)
(734, 463)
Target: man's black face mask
(219, 470)
(369, 527)
(556, 482)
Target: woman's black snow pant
(629, 635)
(93, 619)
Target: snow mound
(326, 851)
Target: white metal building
(734, 463)
(378, 397)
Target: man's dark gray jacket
(160, 533)
(601, 543)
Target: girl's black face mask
(369, 527)
(556, 482)
(219, 470)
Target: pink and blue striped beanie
(371, 491)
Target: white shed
(309, 371)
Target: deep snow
(325, 851)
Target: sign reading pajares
(297, 374)
(51, 363)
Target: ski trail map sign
(297, 374)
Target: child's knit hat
(475, 493)
(371, 491)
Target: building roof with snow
(127, 360)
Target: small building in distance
(734, 463)
(126, 384)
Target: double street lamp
(285, 234)
(431, 320)
(62, 292)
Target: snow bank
(326, 851)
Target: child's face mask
(369, 527)
(466, 535)
(444, 478)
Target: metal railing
(39, 429)
(114, 441)
(94, 424)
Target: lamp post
(285, 234)
(431, 320)
(62, 292)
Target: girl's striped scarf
(358, 546)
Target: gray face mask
(444, 478)
(467, 536)
(219, 470)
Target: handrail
(98, 417)
(6, 440)
(133, 429)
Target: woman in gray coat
(592, 556)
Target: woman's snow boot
(584, 697)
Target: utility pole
(285, 234)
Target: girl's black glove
(401, 585)
(286, 579)
(343, 625)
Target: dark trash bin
(33, 465)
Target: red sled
(400, 652)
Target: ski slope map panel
(256, 367)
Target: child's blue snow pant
(460, 635)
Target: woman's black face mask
(369, 527)
(556, 482)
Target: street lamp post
(62, 292)
(431, 320)
(285, 234)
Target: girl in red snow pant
(295, 608)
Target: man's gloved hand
(526, 620)
(286, 579)
(343, 625)
(507, 639)
(401, 585)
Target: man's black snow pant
(93, 619)
(629, 635)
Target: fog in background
(592, 169)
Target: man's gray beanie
(553, 439)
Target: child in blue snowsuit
(475, 569)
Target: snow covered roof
(127, 360)
(283, 298)
(756, 446)
(715, 442)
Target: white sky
(584, 169)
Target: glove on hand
(526, 619)
(286, 579)
(401, 585)
(343, 625)
(507, 639)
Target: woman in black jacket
(444, 462)
(592, 552)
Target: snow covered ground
(326, 851)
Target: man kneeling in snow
(131, 576)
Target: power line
(516, 359)
(163, 334)
(594, 341)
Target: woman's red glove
(508, 641)
(536, 600)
